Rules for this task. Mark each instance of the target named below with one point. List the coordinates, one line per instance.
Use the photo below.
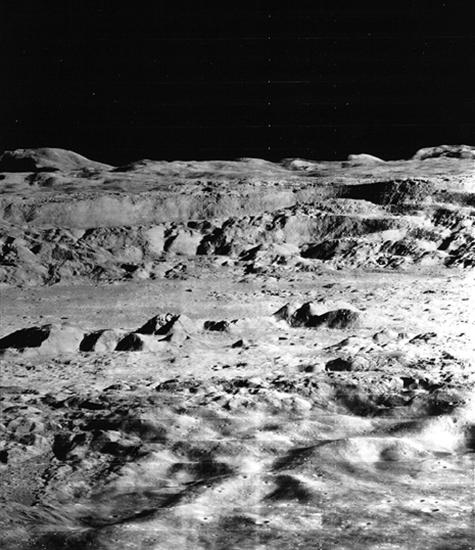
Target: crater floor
(245, 354)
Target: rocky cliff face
(131, 222)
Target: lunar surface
(237, 354)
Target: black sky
(316, 79)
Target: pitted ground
(204, 445)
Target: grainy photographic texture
(261, 335)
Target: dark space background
(174, 80)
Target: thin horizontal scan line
(342, 89)
(295, 126)
(344, 102)
(265, 38)
(213, 83)
(344, 11)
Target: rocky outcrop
(140, 342)
(46, 159)
(446, 151)
(45, 339)
(309, 315)
(55, 339)
(103, 227)
(102, 341)
(363, 159)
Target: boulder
(47, 339)
(155, 237)
(102, 340)
(185, 242)
(170, 327)
(284, 313)
(181, 329)
(310, 315)
(241, 343)
(216, 326)
(159, 324)
(338, 318)
(301, 317)
(31, 337)
(141, 342)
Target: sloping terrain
(237, 354)
(131, 222)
